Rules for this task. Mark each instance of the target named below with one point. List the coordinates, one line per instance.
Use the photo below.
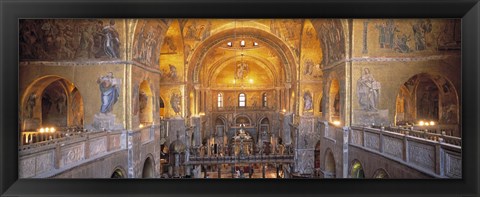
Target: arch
(329, 171)
(404, 107)
(243, 119)
(162, 107)
(51, 100)
(242, 100)
(320, 105)
(381, 174)
(220, 65)
(145, 98)
(264, 100)
(148, 168)
(356, 170)
(281, 49)
(220, 126)
(432, 97)
(220, 100)
(334, 103)
(118, 173)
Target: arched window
(264, 100)
(242, 100)
(220, 100)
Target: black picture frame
(11, 11)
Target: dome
(177, 146)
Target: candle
(167, 128)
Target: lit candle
(421, 123)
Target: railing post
(439, 166)
(108, 142)
(405, 145)
(57, 157)
(87, 148)
(380, 143)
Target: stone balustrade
(423, 151)
(47, 158)
(210, 160)
(246, 108)
(426, 134)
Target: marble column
(305, 148)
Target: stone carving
(422, 155)
(98, 146)
(109, 92)
(420, 29)
(305, 161)
(175, 102)
(72, 155)
(26, 167)
(44, 162)
(115, 142)
(356, 138)
(372, 141)
(32, 100)
(392, 146)
(307, 101)
(69, 39)
(368, 90)
(242, 70)
(453, 165)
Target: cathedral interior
(240, 98)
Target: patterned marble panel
(453, 165)
(26, 167)
(421, 155)
(305, 161)
(115, 142)
(44, 162)
(393, 146)
(72, 154)
(356, 138)
(98, 146)
(372, 141)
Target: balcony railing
(48, 158)
(426, 152)
(197, 160)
